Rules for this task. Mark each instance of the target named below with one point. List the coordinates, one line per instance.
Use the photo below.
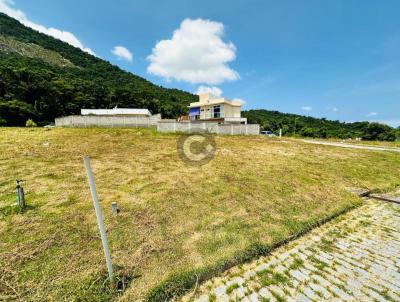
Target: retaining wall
(227, 129)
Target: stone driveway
(353, 258)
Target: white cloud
(122, 53)
(216, 92)
(334, 109)
(372, 114)
(306, 108)
(209, 89)
(7, 7)
(194, 54)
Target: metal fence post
(99, 217)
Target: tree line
(306, 126)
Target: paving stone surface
(356, 257)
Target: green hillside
(307, 126)
(42, 78)
(10, 45)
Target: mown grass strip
(180, 283)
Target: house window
(217, 111)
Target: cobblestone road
(353, 258)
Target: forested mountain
(42, 78)
(292, 124)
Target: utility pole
(295, 119)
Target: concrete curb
(385, 197)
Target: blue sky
(334, 59)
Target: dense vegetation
(292, 124)
(42, 78)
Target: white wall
(232, 129)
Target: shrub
(30, 123)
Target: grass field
(173, 217)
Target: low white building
(117, 112)
(116, 117)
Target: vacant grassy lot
(173, 217)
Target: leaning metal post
(99, 217)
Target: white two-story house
(214, 108)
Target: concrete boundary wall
(107, 121)
(227, 129)
(155, 121)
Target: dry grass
(173, 217)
